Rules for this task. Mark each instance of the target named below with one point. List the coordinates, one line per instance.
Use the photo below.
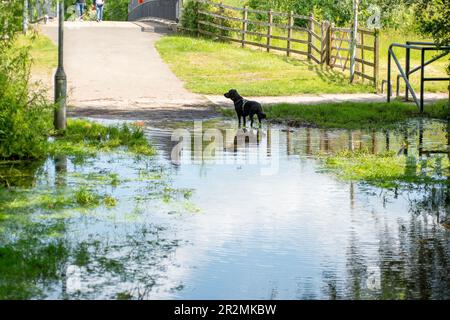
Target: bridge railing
(162, 9)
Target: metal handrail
(415, 45)
(418, 68)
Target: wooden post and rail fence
(293, 34)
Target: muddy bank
(171, 112)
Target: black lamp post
(60, 121)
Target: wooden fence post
(358, 35)
(329, 43)
(376, 55)
(323, 41)
(244, 26)
(269, 31)
(291, 23)
(362, 54)
(310, 37)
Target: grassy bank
(210, 67)
(350, 115)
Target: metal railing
(423, 47)
(162, 9)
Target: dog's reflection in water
(244, 138)
(211, 145)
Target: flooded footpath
(223, 213)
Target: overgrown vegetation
(84, 138)
(350, 115)
(24, 113)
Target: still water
(219, 219)
(299, 233)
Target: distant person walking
(80, 5)
(99, 4)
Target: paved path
(322, 98)
(114, 69)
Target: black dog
(245, 108)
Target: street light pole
(60, 76)
(354, 42)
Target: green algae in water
(387, 170)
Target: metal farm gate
(367, 53)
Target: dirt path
(114, 70)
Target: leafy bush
(433, 18)
(190, 18)
(25, 117)
(116, 10)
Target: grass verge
(43, 52)
(210, 67)
(349, 115)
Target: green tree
(394, 13)
(433, 19)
